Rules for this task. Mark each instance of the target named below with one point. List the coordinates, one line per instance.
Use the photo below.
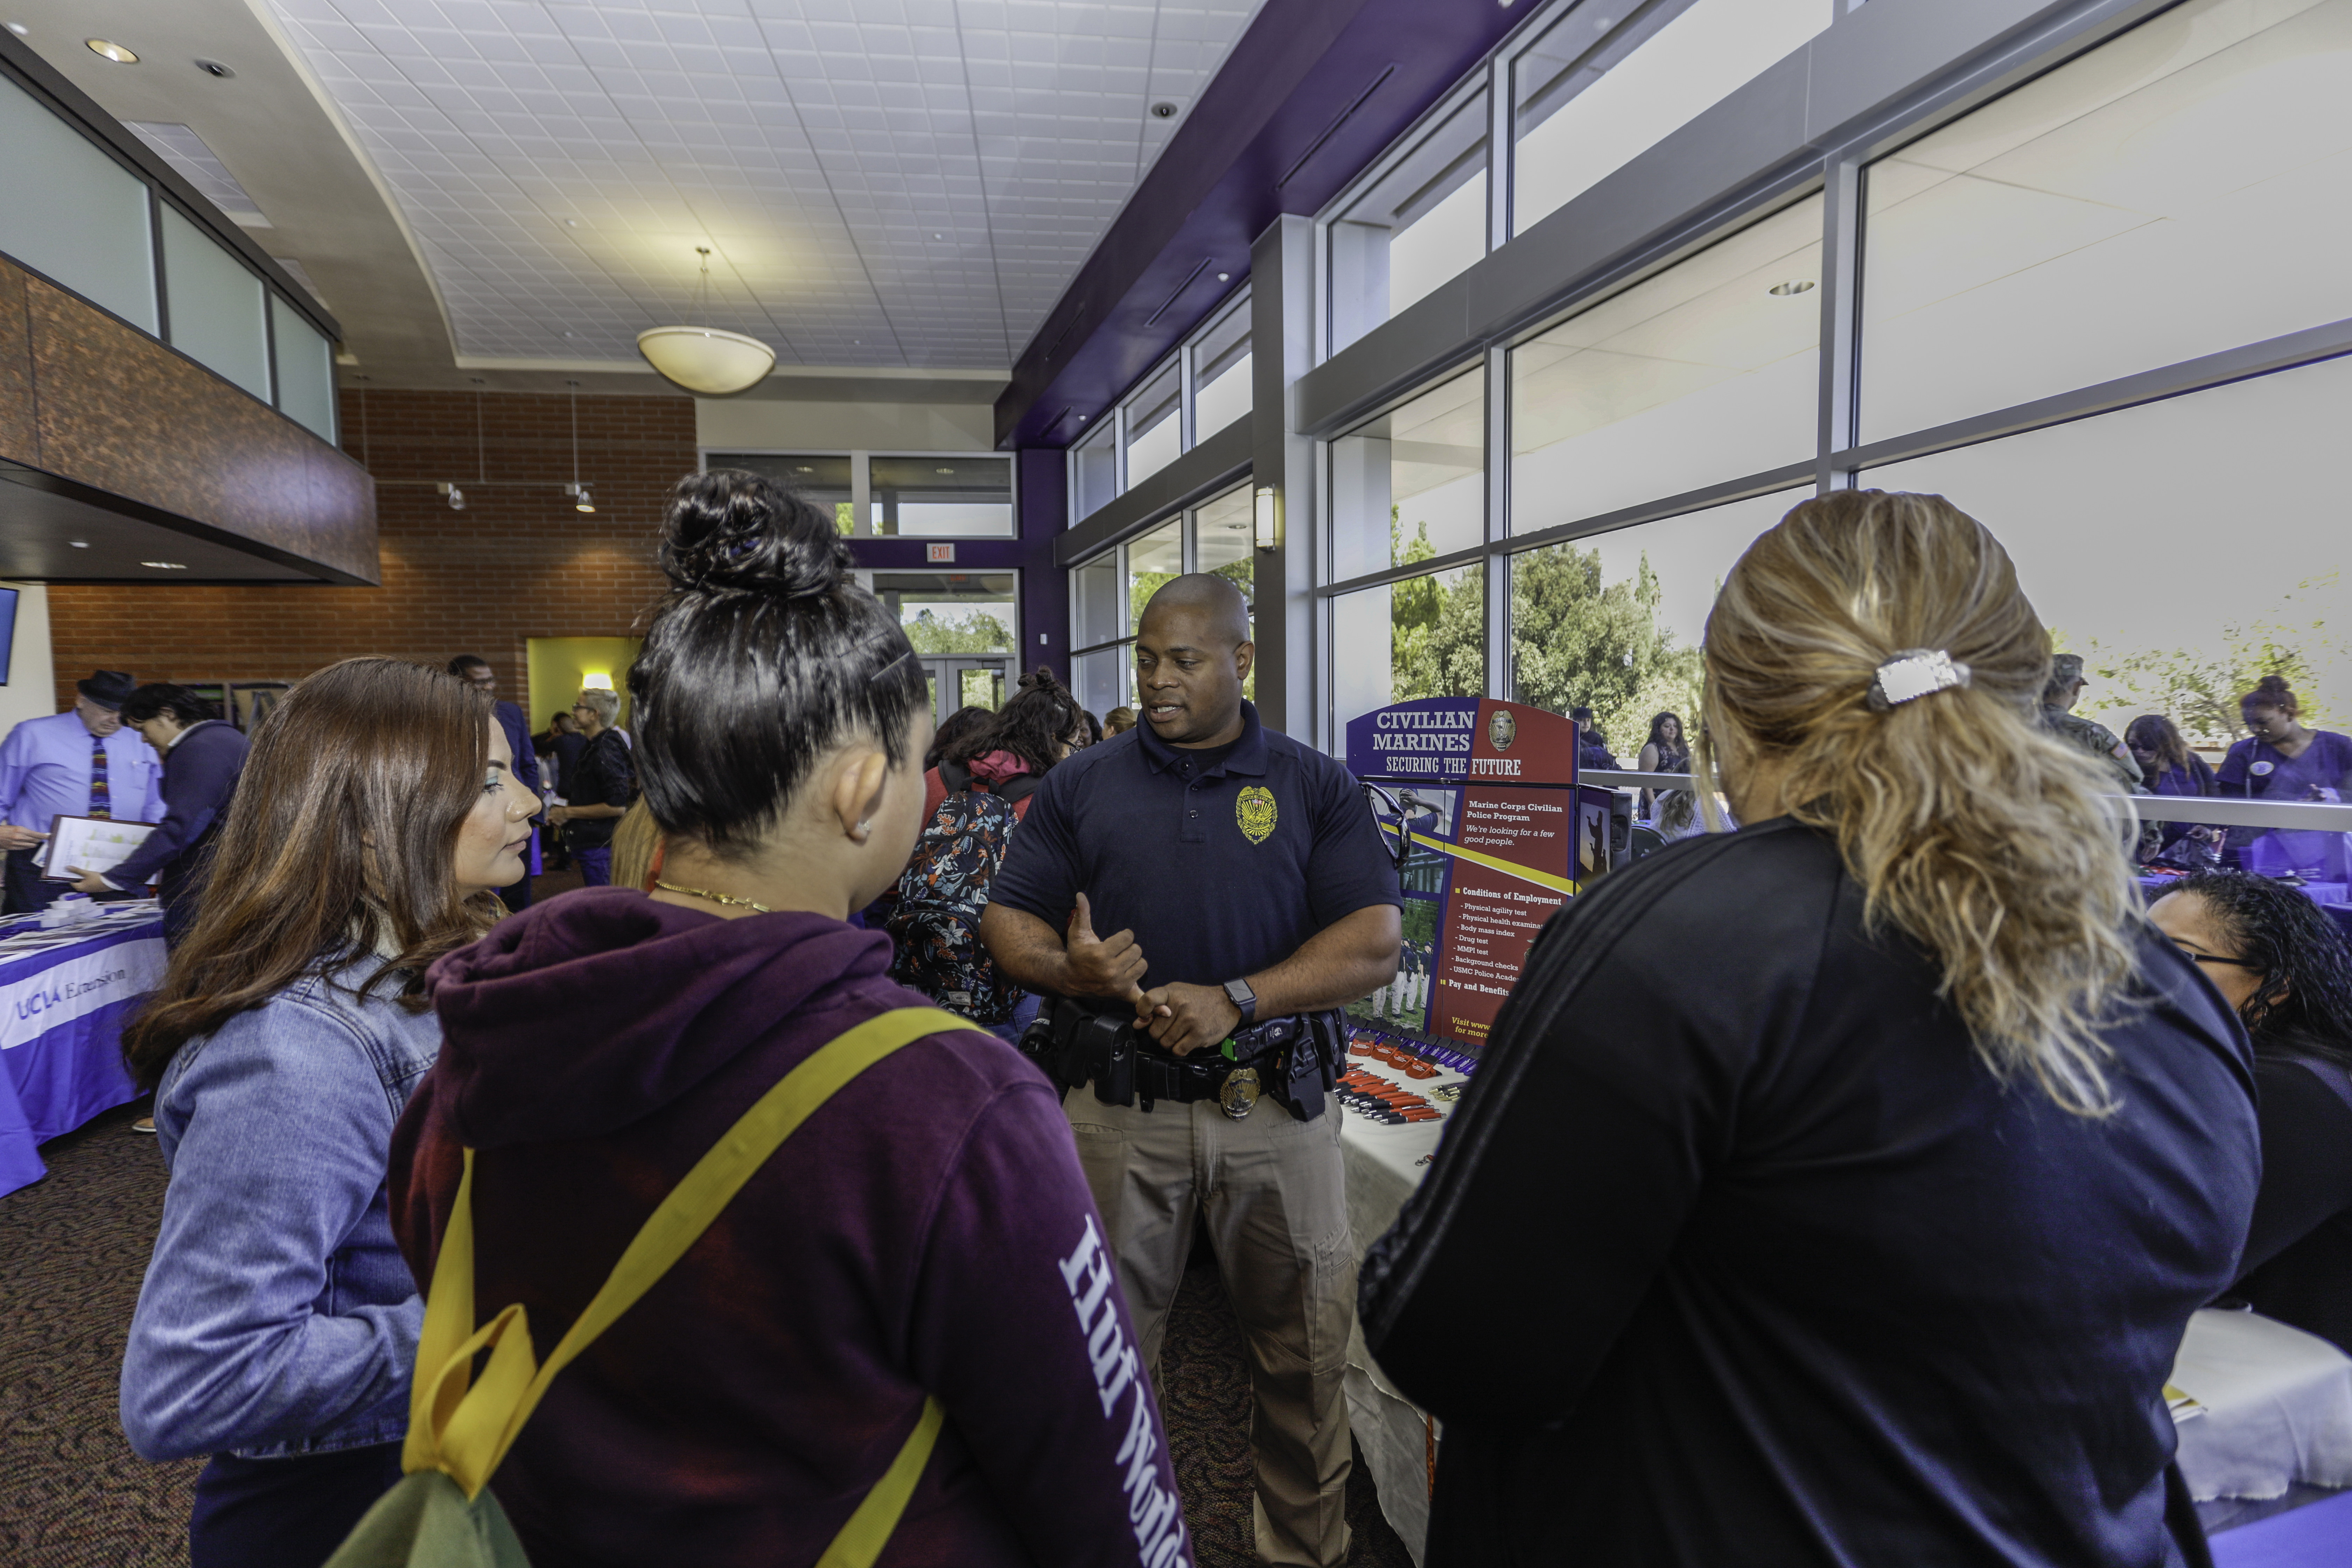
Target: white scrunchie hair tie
(1914, 673)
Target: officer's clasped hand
(1184, 1017)
(1100, 967)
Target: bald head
(1221, 610)
(1192, 653)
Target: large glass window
(943, 496)
(1104, 679)
(2185, 548)
(1222, 392)
(2182, 190)
(1225, 530)
(306, 370)
(1614, 622)
(1151, 560)
(1412, 484)
(1094, 471)
(951, 612)
(1425, 637)
(1706, 371)
(824, 477)
(69, 211)
(219, 310)
(1420, 221)
(1095, 588)
(1600, 86)
(1155, 425)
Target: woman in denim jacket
(278, 1323)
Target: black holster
(1297, 1058)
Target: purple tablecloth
(64, 998)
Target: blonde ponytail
(1971, 829)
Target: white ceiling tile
(818, 144)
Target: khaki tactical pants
(1277, 1207)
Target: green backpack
(442, 1514)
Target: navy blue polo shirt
(1222, 868)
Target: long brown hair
(1968, 827)
(340, 841)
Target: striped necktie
(101, 803)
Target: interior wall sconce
(457, 497)
(580, 499)
(1269, 519)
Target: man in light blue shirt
(81, 762)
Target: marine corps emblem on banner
(1254, 809)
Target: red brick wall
(518, 563)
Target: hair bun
(1040, 679)
(2273, 684)
(731, 530)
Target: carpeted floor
(72, 1495)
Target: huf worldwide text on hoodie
(927, 1231)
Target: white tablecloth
(2277, 1407)
(1385, 1164)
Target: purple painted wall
(1248, 154)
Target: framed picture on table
(93, 843)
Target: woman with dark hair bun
(2278, 959)
(925, 1241)
(2284, 759)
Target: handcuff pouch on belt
(1292, 1060)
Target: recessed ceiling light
(804, 468)
(213, 68)
(1225, 277)
(1794, 286)
(572, 223)
(78, 543)
(18, 29)
(166, 566)
(110, 51)
(943, 470)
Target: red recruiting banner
(1512, 874)
(1500, 836)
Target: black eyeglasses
(2217, 958)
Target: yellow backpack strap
(465, 1431)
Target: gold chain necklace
(714, 898)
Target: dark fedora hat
(107, 688)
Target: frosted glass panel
(306, 372)
(2182, 190)
(71, 213)
(1410, 485)
(1702, 373)
(1592, 96)
(218, 306)
(2184, 548)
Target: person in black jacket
(597, 790)
(203, 758)
(1871, 1238)
(2277, 958)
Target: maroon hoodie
(927, 1231)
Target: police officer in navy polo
(1248, 896)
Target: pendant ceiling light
(705, 359)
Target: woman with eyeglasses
(2278, 959)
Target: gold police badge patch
(1254, 809)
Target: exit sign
(936, 552)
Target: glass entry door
(965, 683)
